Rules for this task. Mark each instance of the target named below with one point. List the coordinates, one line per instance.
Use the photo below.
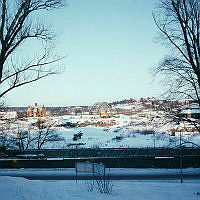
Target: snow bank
(21, 189)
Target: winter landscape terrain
(129, 132)
(148, 128)
(119, 131)
(16, 188)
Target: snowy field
(119, 131)
(94, 137)
(17, 188)
(128, 132)
(12, 188)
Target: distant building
(29, 111)
(43, 112)
(191, 111)
(78, 110)
(36, 111)
(104, 115)
(8, 115)
(100, 107)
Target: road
(114, 177)
(114, 174)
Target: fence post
(76, 172)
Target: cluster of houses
(184, 108)
(16, 113)
(105, 110)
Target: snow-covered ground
(141, 130)
(129, 131)
(113, 138)
(16, 188)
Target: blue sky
(110, 50)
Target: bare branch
(17, 26)
(178, 22)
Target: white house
(8, 115)
(191, 111)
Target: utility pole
(181, 158)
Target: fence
(90, 167)
(108, 152)
(123, 162)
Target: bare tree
(19, 24)
(34, 137)
(15, 135)
(7, 138)
(45, 133)
(178, 22)
(24, 139)
(23, 136)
